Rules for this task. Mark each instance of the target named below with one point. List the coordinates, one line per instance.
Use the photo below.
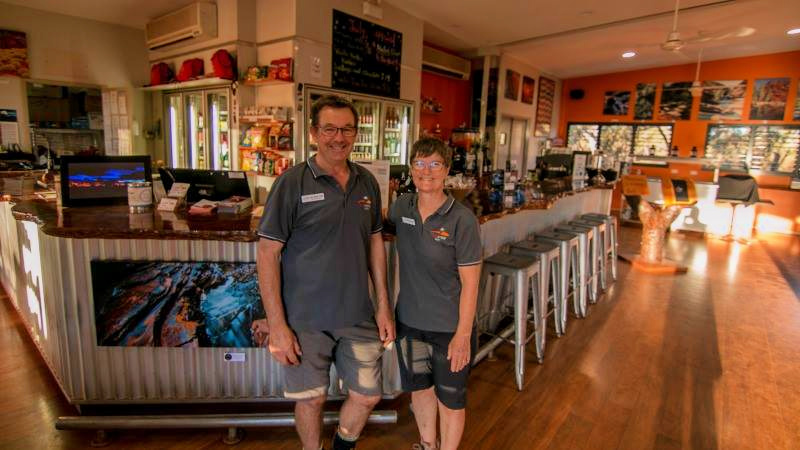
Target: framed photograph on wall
(616, 103)
(528, 85)
(645, 101)
(544, 106)
(512, 84)
(14, 54)
(769, 99)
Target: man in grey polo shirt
(320, 242)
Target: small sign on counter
(168, 204)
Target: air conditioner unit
(439, 62)
(194, 23)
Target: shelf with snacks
(363, 144)
(278, 71)
(265, 82)
(263, 119)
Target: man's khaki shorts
(356, 351)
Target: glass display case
(384, 126)
(198, 129)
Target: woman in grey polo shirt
(439, 248)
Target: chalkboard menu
(366, 56)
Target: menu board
(366, 56)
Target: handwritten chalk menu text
(366, 56)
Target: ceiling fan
(674, 43)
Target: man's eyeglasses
(435, 166)
(330, 131)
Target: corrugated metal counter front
(47, 275)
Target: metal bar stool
(524, 272)
(549, 271)
(569, 252)
(587, 265)
(611, 244)
(601, 232)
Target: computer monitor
(93, 180)
(213, 185)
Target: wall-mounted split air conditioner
(194, 23)
(437, 61)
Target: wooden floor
(709, 359)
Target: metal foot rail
(203, 421)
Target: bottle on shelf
(674, 151)
(487, 163)
(694, 151)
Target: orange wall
(687, 133)
(454, 96)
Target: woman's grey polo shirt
(430, 254)
(326, 234)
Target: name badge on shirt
(408, 221)
(310, 198)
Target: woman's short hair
(331, 101)
(430, 146)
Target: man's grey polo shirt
(326, 232)
(430, 254)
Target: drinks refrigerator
(198, 132)
(385, 129)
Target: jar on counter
(140, 196)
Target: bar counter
(47, 254)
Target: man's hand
(260, 330)
(284, 346)
(458, 352)
(383, 317)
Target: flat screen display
(101, 179)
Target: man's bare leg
(354, 414)
(308, 421)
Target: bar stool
(549, 270)
(524, 272)
(601, 233)
(569, 252)
(611, 243)
(587, 265)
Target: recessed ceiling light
(794, 31)
(629, 54)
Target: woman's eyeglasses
(435, 166)
(330, 131)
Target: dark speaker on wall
(576, 94)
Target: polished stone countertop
(116, 222)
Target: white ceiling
(565, 38)
(572, 38)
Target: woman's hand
(458, 352)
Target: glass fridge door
(196, 152)
(366, 144)
(396, 136)
(218, 130)
(175, 141)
